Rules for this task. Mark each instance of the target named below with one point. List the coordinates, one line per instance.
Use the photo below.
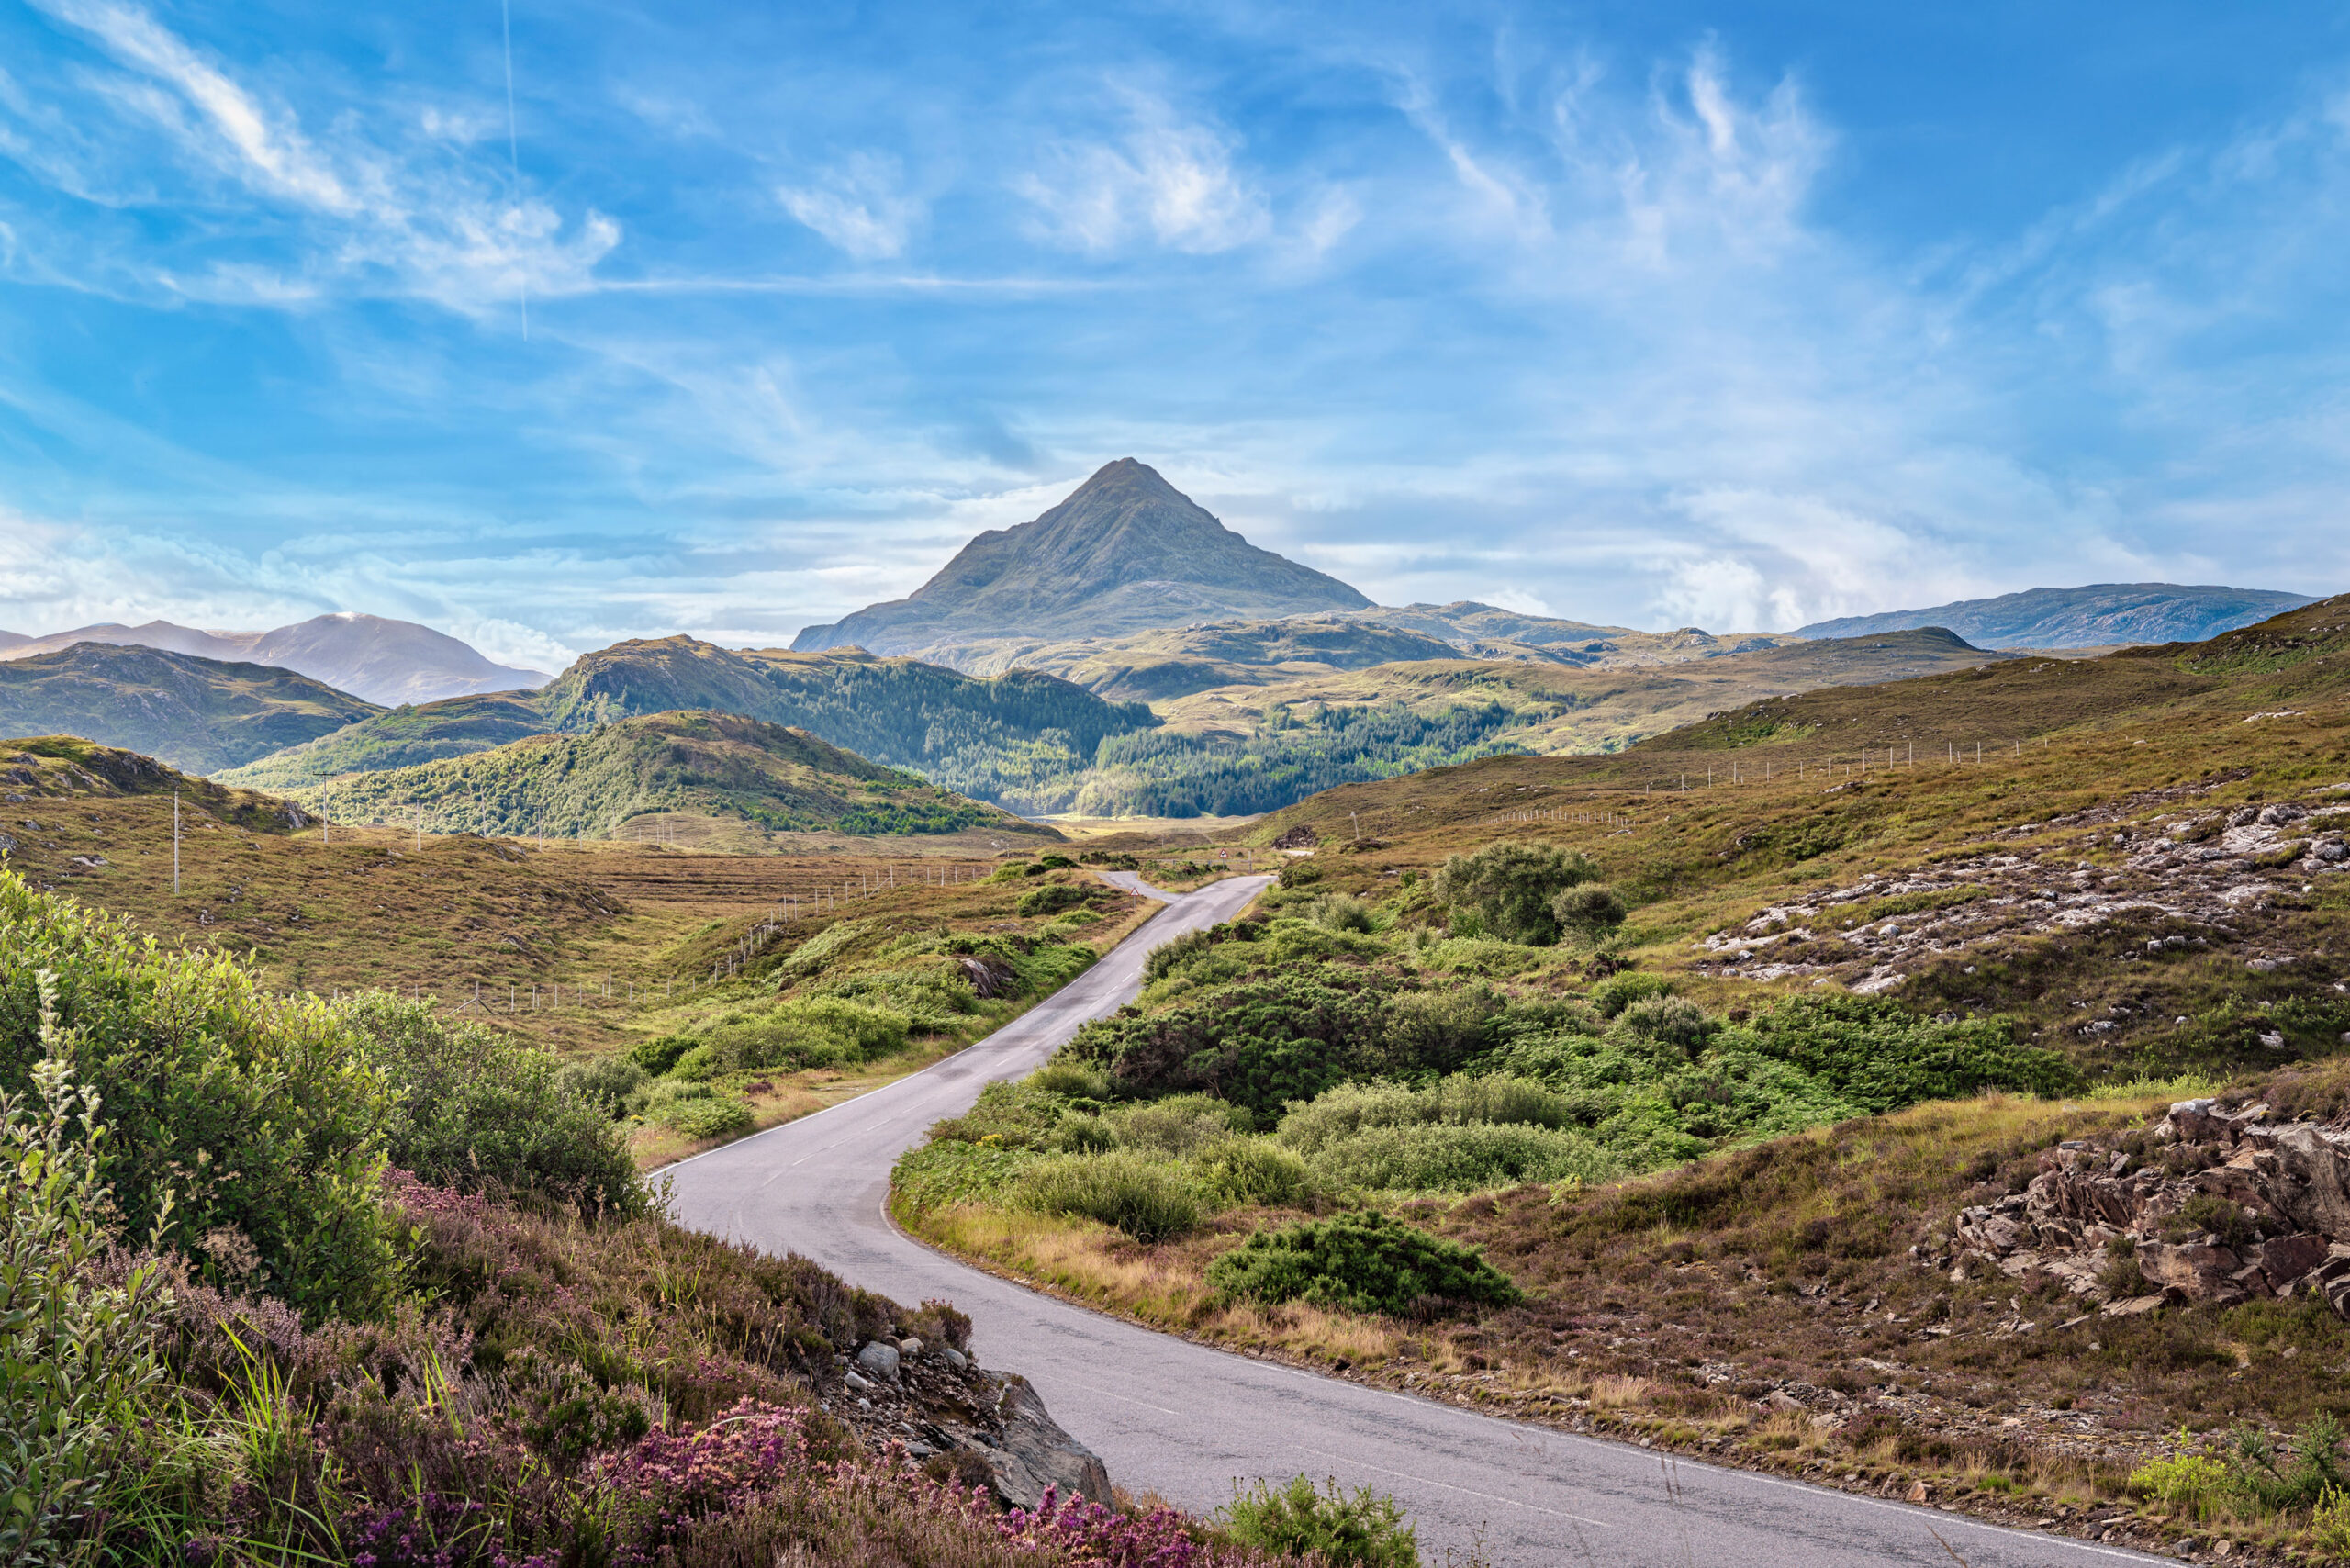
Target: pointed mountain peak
(1125, 552)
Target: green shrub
(2189, 1485)
(1349, 1109)
(811, 956)
(1085, 1134)
(1356, 1529)
(1674, 1022)
(1065, 1075)
(817, 1031)
(609, 1083)
(1359, 1263)
(1253, 1170)
(1177, 1124)
(1459, 1158)
(658, 1056)
(1508, 887)
(1617, 993)
(1437, 1030)
(1258, 1044)
(1340, 912)
(950, 1170)
(1174, 953)
(720, 1116)
(1881, 1056)
(1299, 874)
(1588, 911)
(263, 1117)
(1054, 896)
(475, 1110)
(1148, 1200)
(77, 1357)
(697, 1065)
(2301, 1480)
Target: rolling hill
(386, 662)
(1126, 552)
(2099, 615)
(597, 782)
(199, 714)
(989, 738)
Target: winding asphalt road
(1186, 1421)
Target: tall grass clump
(1349, 1529)
(1148, 1200)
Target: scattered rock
(954, 1358)
(878, 1361)
(910, 1346)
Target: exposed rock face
(934, 1400)
(2218, 1207)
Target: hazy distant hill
(2096, 616)
(386, 662)
(594, 783)
(1126, 552)
(983, 737)
(199, 715)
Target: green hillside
(200, 715)
(592, 783)
(997, 739)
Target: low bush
(1178, 1124)
(1340, 912)
(1617, 993)
(720, 1115)
(1350, 1530)
(818, 1031)
(1360, 1262)
(1253, 1170)
(1588, 911)
(698, 1065)
(2191, 1484)
(262, 1117)
(1146, 1199)
(1257, 1044)
(1054, 896)
(609, 1083)
(1508, 887)
(1459, 1158)
(1881, 1056)
(657, 1057)
(475, 1109)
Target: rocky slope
(2097, 615)
(1125, 553)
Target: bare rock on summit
(1126, 552)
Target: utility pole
(175, 843)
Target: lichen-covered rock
(2230, 1208)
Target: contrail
(513, 149)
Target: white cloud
(1171, 180)
(408, 205)
(860, 206)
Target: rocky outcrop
(980, 1425)
(2213, 1205)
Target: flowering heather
(1086, 1535)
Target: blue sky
(1648, 314)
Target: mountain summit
(1126, 552)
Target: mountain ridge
(385, 661)
(197, 714)
(2093, 615)
(1124, 552)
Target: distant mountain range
(1126, 552)
(385, 661)
(200, 715)
(2097, 616)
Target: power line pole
(175, 843)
